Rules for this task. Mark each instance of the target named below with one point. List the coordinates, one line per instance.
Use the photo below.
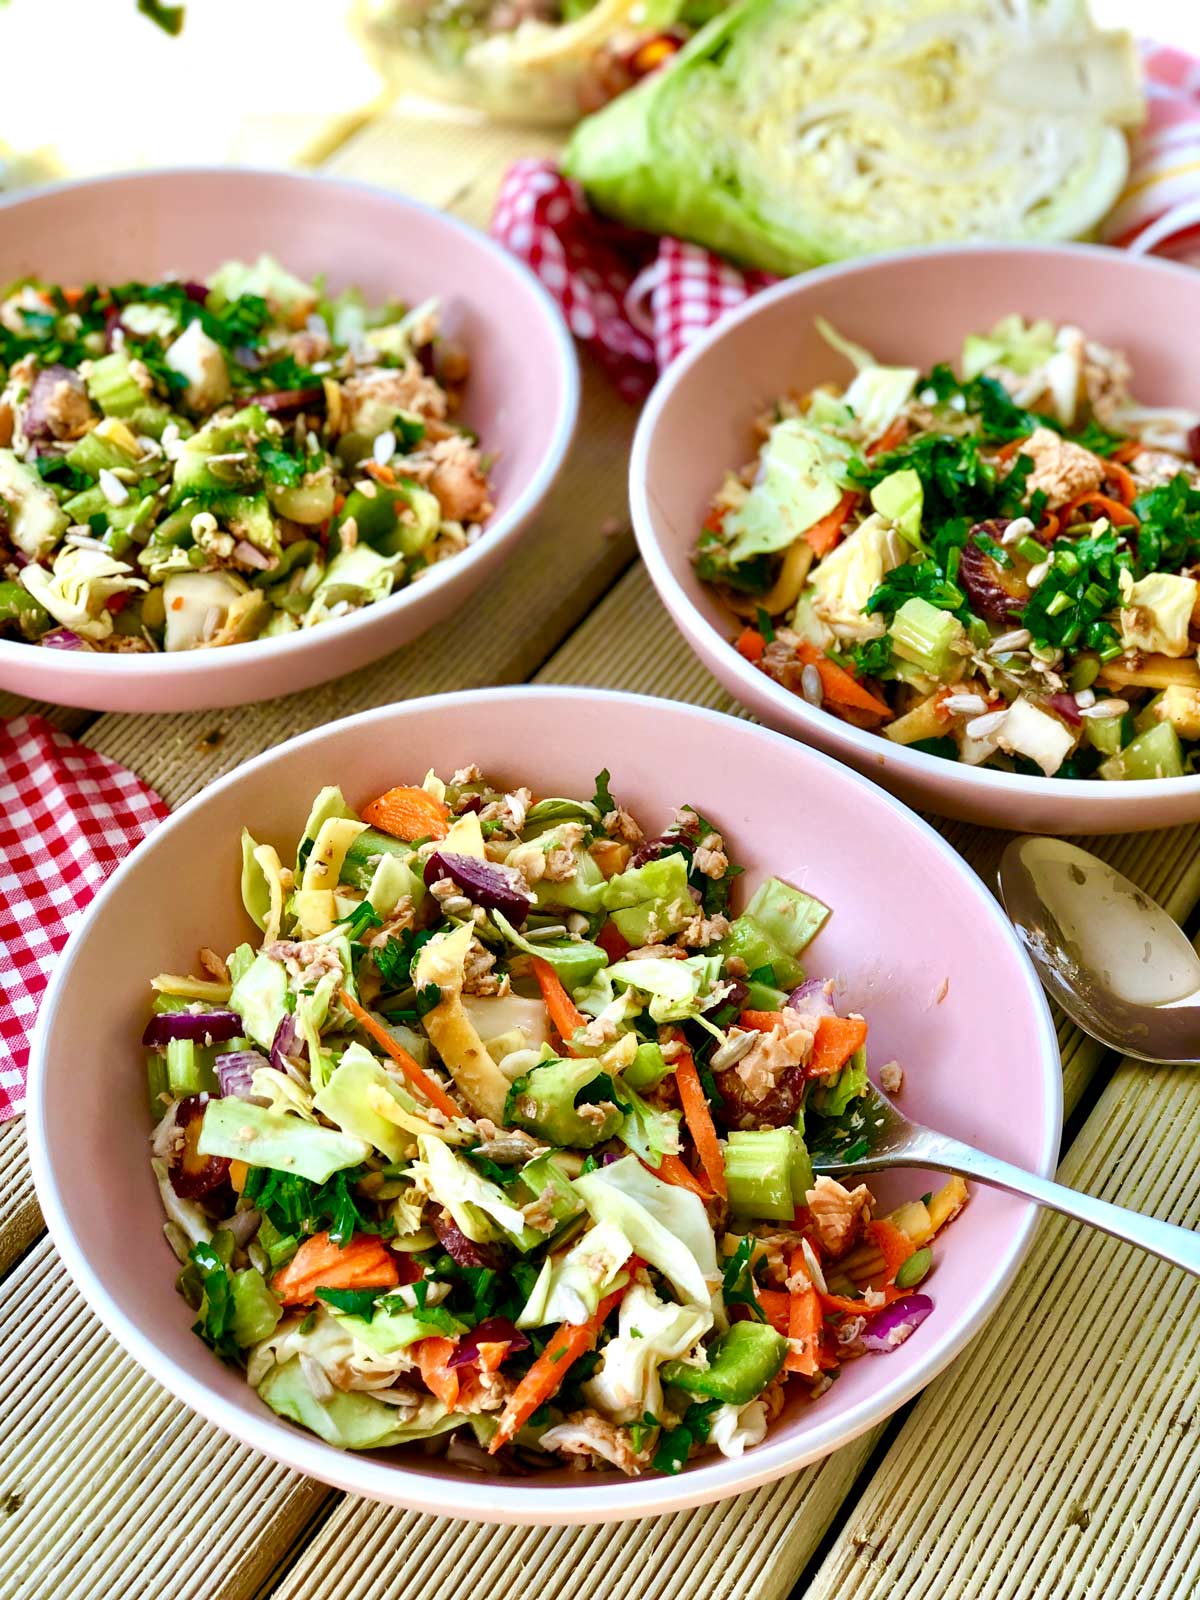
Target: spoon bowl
(1117, 964)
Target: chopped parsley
(395, 958)
(1169, 536)
(296, 1205)
(739, 1285)
(602, 799)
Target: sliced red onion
(463, 1250)
(1066, 707)
(495, 1330)
(483, 882)
(235, 1070)
(896, 1322)
(1193, 443)
(204, 1027)
(61, 639)
(812, 998)
(287, 1042)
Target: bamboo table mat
(1054, 1459)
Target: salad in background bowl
(981, 1069)
(240, 439)
(189, 465)
(998, 565)
(886, 514)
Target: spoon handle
(1179, 1245)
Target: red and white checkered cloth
(639, 300)
(67, 817)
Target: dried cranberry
(778, 1106)
(285, 402)
(994, 591)
(1193, 443)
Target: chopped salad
(1000, 568)
(497, 1131)
(184, 465)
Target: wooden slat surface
(1051, 1460)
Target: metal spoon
(1114, 960)
(885, 1138)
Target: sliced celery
(112, 386)
(1104, 734)
(923, 635)
(1154, 754)
(187, 1070)
(647, 1067)
(762, 997)
(758, 1173)
(92, 455)
(802, 1172)
(1148, 715)
(157, 1083)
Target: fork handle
(1178, 1245)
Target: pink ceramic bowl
(522, 397)
(922, 947)
(910, 309)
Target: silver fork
(881, 1136)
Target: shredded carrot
(763, 1021)
(1012, 448)
(751, 644)
(564, 1013)
(363, 1262)
(613, 942)
(700, 1123)
(1047, 530)
(1127, 451)
(380, 474)
(715, 520)
(409, 813)
(72, 296)
(673, 1169)
(1122, 478)
(239, 1171)
(857, 1308)
(805, 1320)
(545, 1376)
(339, 500)
(776, 1303)
(412, 1070)
(894, 1245)
(432, 1355)
(889, 439)
(823, 535)
(835, 1041)
(1118, 514)
(838, 685)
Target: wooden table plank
(744, 1547)
(107, 1485)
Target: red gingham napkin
(67, 817)
(639, 300)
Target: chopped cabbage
(259, 996)
(570, 1287)
(479, 1207)
(649, 1332)
(846, 579)
(667, 1225)
(801, 479)
(76, 588)
(676, 990)
(736, 1429)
